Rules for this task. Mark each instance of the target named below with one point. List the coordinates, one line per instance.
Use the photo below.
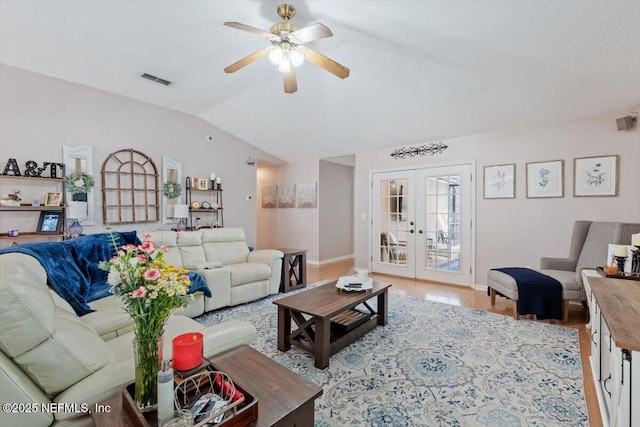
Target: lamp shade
(181, 211)
(77, 210)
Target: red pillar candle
(187, 351)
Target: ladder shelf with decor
(51, 226)
(204, 197)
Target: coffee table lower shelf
(340, 337)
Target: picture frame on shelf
(195, 183)
(595, 176)
(50, 222)
(203, 184)
(545, 179)
(500, 181)
(53, 199)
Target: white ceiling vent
(156, 79)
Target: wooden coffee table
(313, 311)
(285, 399)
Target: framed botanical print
(545, 179)
(595, 176)
(500, 181)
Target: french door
(421, 222)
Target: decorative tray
(238, 415)
(352, 283)
(625, 275)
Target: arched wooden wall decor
(130, 192)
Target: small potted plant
(11, 199)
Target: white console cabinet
(615, 348)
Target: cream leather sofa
(54, 367)
(221, 255)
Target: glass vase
(147, 355)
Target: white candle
(635, 240)
(620, 251)
(213, 176)
(218, 180)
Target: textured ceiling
(420, 70)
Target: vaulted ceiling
(420, 70)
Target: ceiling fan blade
(253, 30)
(290, 82)
(310, 33)
(328, 64)
(246, 60)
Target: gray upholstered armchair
(588, 250)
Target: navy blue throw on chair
(538, 293)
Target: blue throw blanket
(538, 293)
(72, 266)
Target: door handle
(420, 231)
(604, 385)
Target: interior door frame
(472, 214)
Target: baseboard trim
(330, 261)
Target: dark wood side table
(294, 269)
(285, 399)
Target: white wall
(336, 211)
(39, 115)
(516, 232)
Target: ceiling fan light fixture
(296, 55)
(275, 55)
(288, 50)
(285, 63)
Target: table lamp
(182, 213)
(76, 211)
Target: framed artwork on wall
(595, 176)
(269, 196)
(307, 195)
(287, 196)
(545, 179)
(500, 181)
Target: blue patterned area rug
(437, 365)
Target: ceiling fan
(287, 48)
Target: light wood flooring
(467, 297)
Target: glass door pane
(392, 249)
(443, 205)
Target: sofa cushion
(248, 272)
(27, 310)
(52, 346)
(227, 245)
(170, 240)
(566, 278)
